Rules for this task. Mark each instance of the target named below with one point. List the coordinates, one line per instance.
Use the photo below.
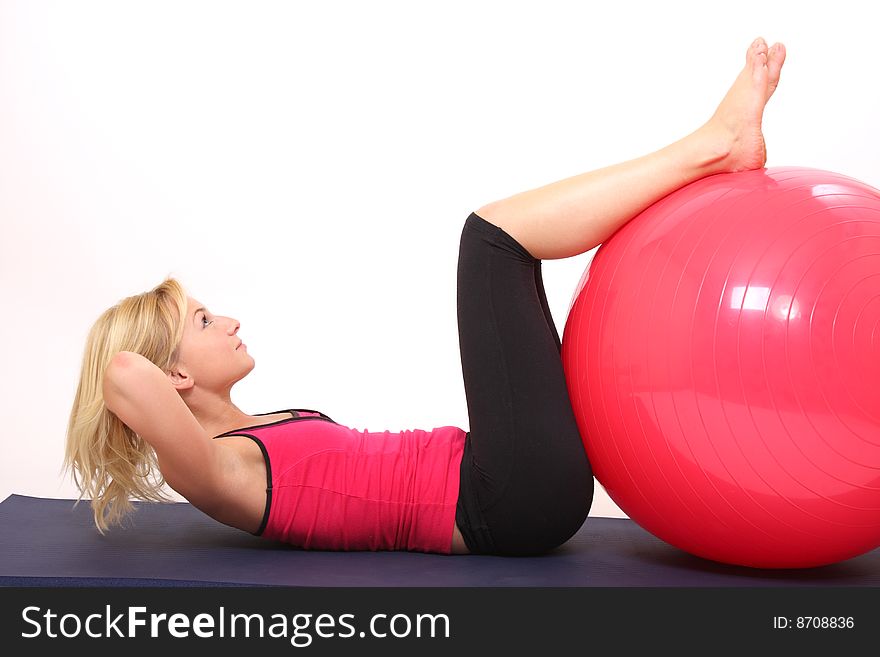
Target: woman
(153, 402)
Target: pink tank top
(330, 487)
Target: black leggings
(526, 484)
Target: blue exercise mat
(48, 542)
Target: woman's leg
(574, 215)
(526, 484)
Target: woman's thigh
(526, 485)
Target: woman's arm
(142, 397)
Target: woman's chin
(247, 369)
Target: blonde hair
(110, 462)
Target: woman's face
(212, 355)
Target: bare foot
(735, 128)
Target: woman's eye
(205, 319)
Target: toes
(775, 60)
(760, 71)
(758, 46)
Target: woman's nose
(234, 325)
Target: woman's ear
(179, 378)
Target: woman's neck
(222, 419)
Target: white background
(307, 168)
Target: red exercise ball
(722, 353)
